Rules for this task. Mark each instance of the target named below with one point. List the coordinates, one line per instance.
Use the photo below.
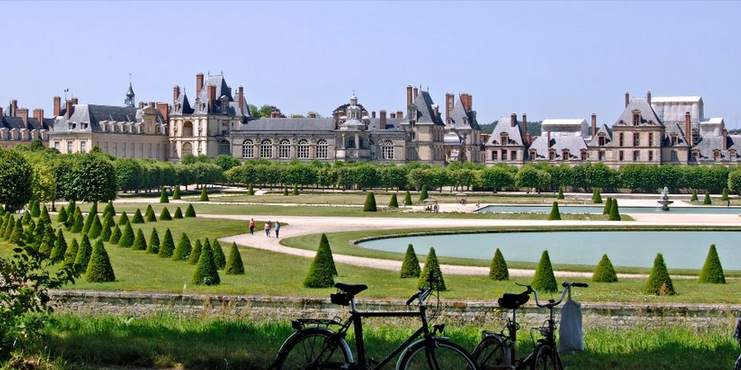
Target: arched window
(187, 129)
(248, 149)
(303, 149)
(187, 149)
(284, 149)
(266, 149)
(224, 147)
(387, 150)
(322, 149)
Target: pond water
(681, 249)
(598, 209)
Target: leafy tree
(176, 192)
(496, 178)
(140, 244)
(115, 235)
(16, 177)
(707, 200)
(99, 268)
(423, 194)
(285, 191)
(659, 282)
(138, 218)
(407, 199)
(734, 182)
(62, 215)
(163, 196)
(83, 255)
(95, 229)
(206, 272)
(178, 214)
(226, 161)
(190, 211)
(165, 215)
(250, 190)
(410, 266)
(498, 269)
(608, 205)
(321, 272)
(614, 211)
(129, 174)
(153, 246)
(123, 219)
(393, 203)
(127, 238)
(712, 271)
(182, 251)
(555, 213)
(604, 272)
(91, 178)
(431, 273)
(219, 257)
(596, 196)
(544, 279)
(295, 189)
(234, 265)
(532, 177)
(204, 195)
(149, 214)
(370, 203)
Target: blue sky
(548, 59)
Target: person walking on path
(252, 226)
(277, 229)
(267, 229)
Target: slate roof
(287, 124)
(88, 117)
(648, 115)
(708, 145)
(574, 144)
(504, 124)
(674, 128)
(181, 105)
(425, 113)
(604, 129)
(462, 119)
(16, 122)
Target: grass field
(165, 341)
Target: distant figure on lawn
(277, 229)
(268, 226)
(252, 226)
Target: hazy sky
(548, 59)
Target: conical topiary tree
(78, 225)
(204, 195)
(106, 233)
(410, 266)
(163, 196)
(17, 233)
(123, 219)
(138, 218)
(71, 208)
(176, 192)
(88, 222)
(295, 189)
(498, 269)
(178, 214)
(614, 211)
(190, 211)
(9, 227)
(407, 198)
(219, 257)
(324, 244)
(596, 195)
(707, 201)
(234, 265)
(168, 245)
(285, 191)
(165, 215)
(127, 237)
(693, 197)
(659, 282)
(555, 214)
(182, 250)
(95, 228)
(44, 217)
(83, 255)
(195, 254)
(47, 242)
(608, 205)
(544, 279)
(370, 203)
(26, 218)
(109, 209)
(393, 203)
(71, 253)
(423, 193)
(62, 215)
(712, 271)
(560, 194)
(99, 268)
(321, 270)
(60, 247)
(115, 235)
(604, 272)
(206, 272)
(431, 273)
(153, 246)
(250, 190)
(149, 214)
(140, 243)
(94, 208)
(35, 210)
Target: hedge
(153, 246)
(195, 253)
(167, 248)
(178, 214)
(370, 203)
(322, 270)
(149, 214)
(163, 196)
(182, 251)
(127, 238)
(204, 195)
(614, 211)
(138, 218)
(140, 244)
(165, 214)
(555, 214)
(83, 255)
(393, 203)
(190, 211)
(407, 198)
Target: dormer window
(584, 155)
(601, 140)
(504, 138)
(732, 154)
(533, 153)
(716, 154)
(636, 118)
(565, 155)
(551, 154)
(674, 139)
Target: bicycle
(499, 351)
(313, 345)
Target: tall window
(651, 156)
(636, 155)
(601, 140)
(387, 150)
(513, 155)
(636, 119)
(503, 137)
(494, 155)
(716, 154)
(636, 139)
(248, 149)
(322, 149)
(303, 149)
(69, 146)
(650, 139)
(621, 139)
(504, 155)
(266, 149)
(533, 154)
(187, 129)
(551, 154)
(584, 155)
(674, 156)
(601, 155)
(284, 149)
(83, 146)
(621, 155)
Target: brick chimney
(648, 97)
(513, 119)
(725, 139)
(69, 108)
(548, 143)
(373, 114)
(399, 114)
(57, 106)
(1, 112)
(13, 108)
(164, 110)
(449, 101)
(594, 124)
(199, 82)
(275, 114)
(38, 114)
(393, 115)
(688, 128)
(175, 93)
(627, 99)
(409, 95)
(523, 127)
(382, 116)
(416, 92)
(467, 101)
(311, 114)
(22, 113)
(211, 97)
(240, 96)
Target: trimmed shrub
(608, 205)
(555, 214)
(195, 254)
(153, 246)
(45, 215)
(83, 255)
(149, 214)
(498, 269)
(190, 211)
(88, 222)
(234, 265)
(560, 194)
(71, 253)
(94, 208)
(35, 210)
(693, 198)
(724, 196)
(204, 195)
(62, 215)
(182, 251)
(9, 227)
(393, 203)
(176, 192)
(138, 218)
(99, 268)
(178, 214)
(596, 195)
(60, 247)
(407, 198)
(707, 201)
(106, 233)
(324, 244)
(47, 241)
(370, 203)
(168, 245)
(250, 190)
(659, 282)
(108, 219)
(77, 225)
(163, 196)
(423, 193)
(321, 270)
(544, 280)
(165, 214)
(410, 266)
(604, 272)
(285, 192)
(712, 271)
(26, 218)
(432, 272)
(17, 232)
(127, 238)
(614, 211)
(123, 219)
(295, 190)
(109, 210)
(219, 257)
(115, 235)
(140, 243)
(206, 272)
(95, 228)
(71, 209)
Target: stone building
(425, 127)
(16, 127)
(462, 138)
(508, 142)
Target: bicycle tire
(443, 355)
(326, 351)
(546, 358)
(491, 353)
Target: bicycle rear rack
(300, 324)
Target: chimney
(523, 127)
(382, 115)
(725, 139)
(409, 95)
(74, 101)
(175, 93)
(627, 99)
(240, 96)
(211, 97)
(373, 114)
(1, 112)
(594, 124)
(199, 82)
(57, 106)
(688, 128)
(275, 114)
(467, 101)
(164, 110)
(548, 143)
(38, 114)
(311, 114)
(69, 109)
(513, 119)
(22, 113)
(648, 97)
(399, 114)
(393, 115)
(449, 101)
(416, 92)
(13, 108)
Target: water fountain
(664, 201)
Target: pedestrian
(737, 336)
(252, 226)
(277, 229)
(267, 229)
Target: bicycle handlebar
(421, 296)
(567, 287)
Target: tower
(129, 102)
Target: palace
(217, 121)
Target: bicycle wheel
(491, 353)
(313, 349)
(441, 354)
(546, 358)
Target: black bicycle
(315, 346)
(499, 351)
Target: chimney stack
(142, 105)
(513, 119)
(57, 106)
(373, 114)
(199, 82)
(467, 101)
(393, 115)
(523, 127)
(648, 97)
(240, 96)
(548, 143)
(22, 113)
(399, 114)
(13, 108)
(627, 99)
(69, 109)
(275, 114)
(175, 93)
(38, 114)
(311, 114)
(688, 128)
(164, 110)
(409, 95)
(449, 101)
(382, 117)
(211, 97)
(725, 139)
(416, 92)
(594, 124)
(1, 112)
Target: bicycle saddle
(512, 301)
(351, 289)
